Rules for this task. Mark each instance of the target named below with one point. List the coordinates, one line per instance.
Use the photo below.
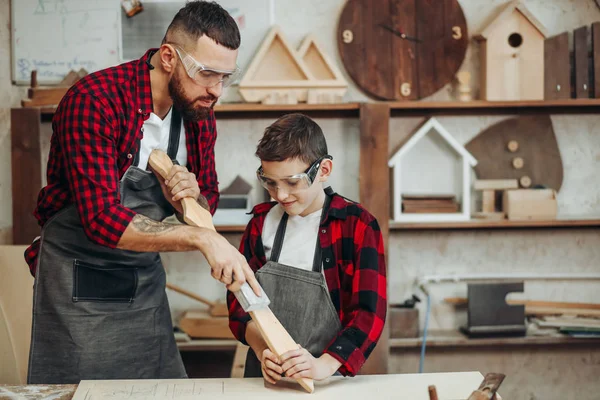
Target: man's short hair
(292, 136)
(200, 18)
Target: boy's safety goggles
(293, 183)
(206, 76)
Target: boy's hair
(292, 136)
(199, 18)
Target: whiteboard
(56, 36)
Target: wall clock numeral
(405, 89)
(348, 36)
(456, 32)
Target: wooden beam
(26, 172)
(557, 67)
(582, 81)
(375, 196)
(596, 57)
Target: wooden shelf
(457, 339)
(405, 108)
(498, 224)
(482, 107)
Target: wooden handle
(191, 295)
(193, 213)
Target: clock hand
(400, 34)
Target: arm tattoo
(146, 225)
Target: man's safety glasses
(206, 76)
(293, 183)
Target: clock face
(402, 49)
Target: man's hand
(180, 183)
(270, 367)
(301, 364)
(227, 264)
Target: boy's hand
(270, 367)
(301, 364)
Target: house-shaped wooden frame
(468, 161)
(280, 75)
(512, 55)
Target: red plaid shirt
(96, 134)
(354, 268)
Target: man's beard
(186, 107)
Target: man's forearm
(145, 234)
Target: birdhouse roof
(428, 126)
(505, 12)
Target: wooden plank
(498, 224)
(44, 96)
(495, 184)
(596, 58)
(581, 67)
(26, 172)
(200, 324)
(402, 14)
(239, 361)
(463, 301)
(557, 67)
(455, 339)
(374, 192)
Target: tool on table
(488, 388)
(274, 334)
(215, 308)
(486, 391)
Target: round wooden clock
(402, 49)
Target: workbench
(450, 386)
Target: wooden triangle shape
(275, 62)
(317, 61)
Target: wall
(411, 254)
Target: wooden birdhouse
(278, 74)
(512, 55)
(438, 206)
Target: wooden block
(580, 44)
(526, 204)
(495, 184)
(277, 338)
(44, 96)
(404, 322)
(239, 361)
(557, 67)
(200, 324)
(596, 58)
(488, 201)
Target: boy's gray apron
(102, 313)
(299, 299)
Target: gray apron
(299, 299)
(101, 313)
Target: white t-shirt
(299, 241)
(156, 136)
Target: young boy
(318, 256)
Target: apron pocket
(104, 284)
